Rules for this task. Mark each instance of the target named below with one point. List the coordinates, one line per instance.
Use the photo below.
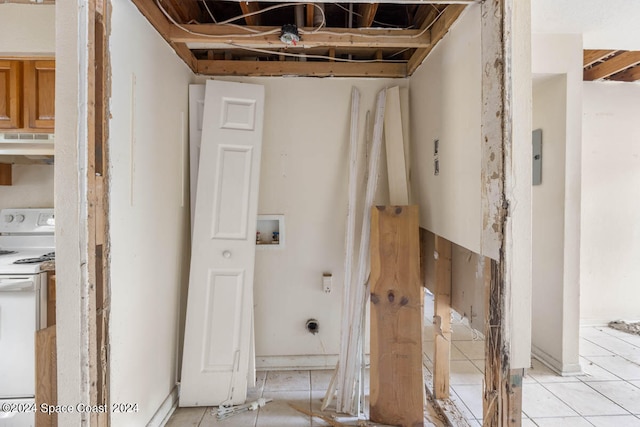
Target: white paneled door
(217, 347)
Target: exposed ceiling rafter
(391, 39)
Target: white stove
(26, 236)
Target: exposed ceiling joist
(612, 65)
(593, 56)
(367, 13)
(247, 9)
(438, 31)
(213, 36)
(629, 75)
(391, 39)
(298, 68)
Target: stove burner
(51, 256)
(4, 252)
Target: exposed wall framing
(502, 405)
(97, 201)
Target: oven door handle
(16, 285)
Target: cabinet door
(10, 88)
(39, 94)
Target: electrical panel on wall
(536, 179)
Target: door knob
(226, 254)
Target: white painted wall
(304, 175)
(27, 29)
(610, 271)
(561, 54)
(549, 114)
(149, 213)
(32, 187)
(446, 105)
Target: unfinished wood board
(442, 319)
(396, 317)
(427, 249)
(46, 375)
(394, 143)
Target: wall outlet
(327, 282)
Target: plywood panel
(396, 317)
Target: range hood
(39, 144)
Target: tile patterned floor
(606, 395)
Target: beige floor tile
(537, 401)
(593, 372)
(584, 399)
(464, 372)
(186, 417)
(320, 379)
(471, 395)
(287, 381)
(624, 394)
(635, 383)
(280, 413)
(561, 422)
(624, 336)
(618, 366)
(526, 422)
(614, 345)
(474, 350)
(619, 421)
(462, 409)
(589, 348)
(428, 349)
(462, 332)
(542, 374)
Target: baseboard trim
(565, 370)
(303, 362)
(165, 410)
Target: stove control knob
(8, 218)
(19, 218)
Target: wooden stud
(593, 56)
(437, 31)
(442, 319)
(396, 383)
(394, 143)
(47, 376)
(613, 65)
(502, 402)
(332, 54)
(5, 174)
(367, 13)
(318, 69)
(338, 37)
(250, 7)
(424, 15)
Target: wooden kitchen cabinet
(10, 94)
(27, 95)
